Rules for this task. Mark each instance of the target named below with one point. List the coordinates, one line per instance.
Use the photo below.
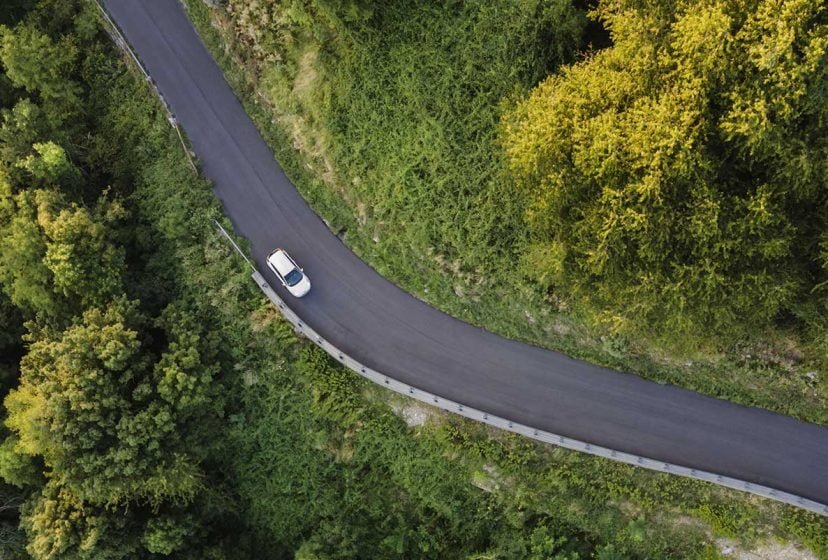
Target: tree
(35, 62)
(59, 255)
(60, 526)
(22, 126)
(167, 534)
(23, 275)
(677, 179)
(16, 468)
(84, 264)
(50, 166)
(110, 424)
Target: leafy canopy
(678, 178)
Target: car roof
(280, 261)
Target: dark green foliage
(110, 423)
(23, 125)
(12, 538)
(16, 467)
(116, 403)
(425, 79)
(42, 66)
(11, 342)
(166, 535)
(13, 10)
(60, 526)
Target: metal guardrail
(534, 433)
(121, 42)
(452, 406)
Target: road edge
(522, 429)
(452, 406)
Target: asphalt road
(390, 331)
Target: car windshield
(293, 277)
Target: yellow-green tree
(60, 255)
(106, 417)
(42, 66)
(60, 526)
(678, 178)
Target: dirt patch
(765, 551)
(250, 378)
(306, 75)
(488, 479)
(559, 329)
(412, 413)
(262, 317)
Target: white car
(285, 268)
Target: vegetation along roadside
(158, 407)
(279, 70)
(402, 127)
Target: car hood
(302, 287)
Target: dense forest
(110, 360)
(155, 406)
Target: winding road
(378, 324)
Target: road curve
(390, 331)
